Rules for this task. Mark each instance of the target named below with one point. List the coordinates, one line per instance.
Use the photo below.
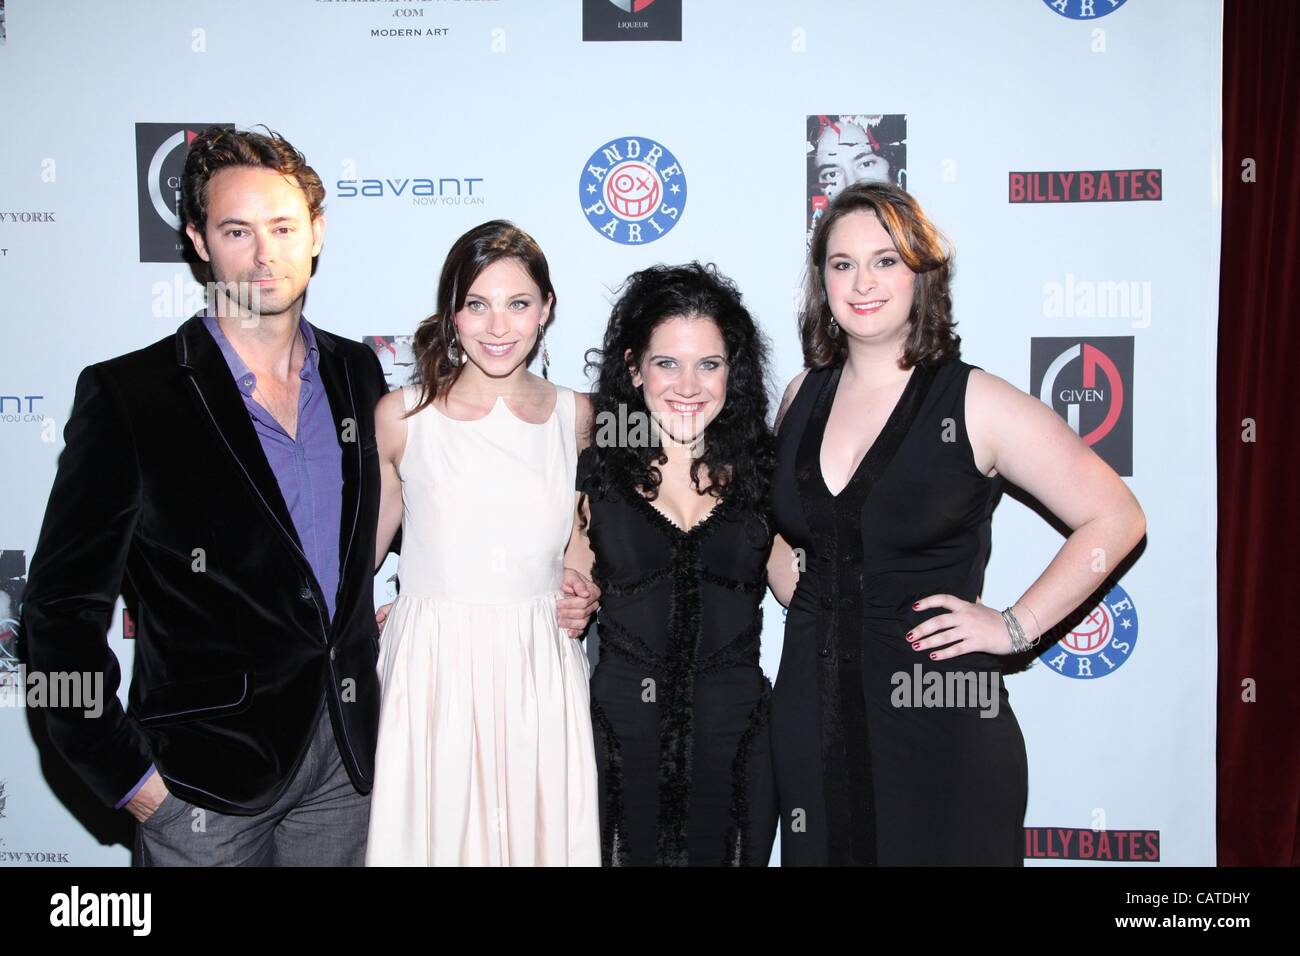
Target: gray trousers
(319, 820)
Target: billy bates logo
(1085, 185)
(160, 151)
(1089, 382)
(632, 190)
(1075, 843)
(1100, 643)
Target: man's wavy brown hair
(218, 148)
(923, 249)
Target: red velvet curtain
(1259, 479)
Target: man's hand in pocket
(148, 798)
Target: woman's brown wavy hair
(436, 369)
(923, 249)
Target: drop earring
(546, 357)
(455, 354)
(833, 330)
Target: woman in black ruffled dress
(673, 526)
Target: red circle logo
(632, 190)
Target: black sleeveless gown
(863, 780)
(679, 704)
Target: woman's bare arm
(390, 434)
(1018, 436)
(783, 563)
(783, 567)
(1034, 449)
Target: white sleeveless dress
(485, 754)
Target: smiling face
(868, 286)
(503, 314)
(683, 375)
(259, 240)
(847, 157)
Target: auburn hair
(923, 249)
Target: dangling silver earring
(833, 330)
(546, 357)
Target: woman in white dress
(485, 753)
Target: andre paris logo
(632, 190)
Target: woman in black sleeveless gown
(679, 703)
(877, 761)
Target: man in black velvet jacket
(229, 473)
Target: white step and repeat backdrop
(1069, 149)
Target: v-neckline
(685, 531)
(663, 521)
(891, 422)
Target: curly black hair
(739, 450)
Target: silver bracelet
(1018, 643)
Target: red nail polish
(916, 605)
(916, 647)
(909, 634)
(934, 657)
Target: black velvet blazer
(234, 652)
